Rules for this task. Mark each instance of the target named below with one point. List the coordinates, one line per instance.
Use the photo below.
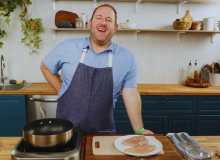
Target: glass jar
(79, 23)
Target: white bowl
(128, 25)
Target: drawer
(163, 105)
(208, 105)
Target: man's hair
(106, 5)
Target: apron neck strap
(84, 55)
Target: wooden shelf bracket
(213, 35)
(178, 36)
(137, 4)
(135, 36)
(179, 6)
(54, 35)
(95, 1)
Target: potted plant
(31, 28)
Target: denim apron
(88, 101)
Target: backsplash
(159, 51)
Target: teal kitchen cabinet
(12, 115)
(208, 116)
(208, 125)
(181, 123)
(161, 114)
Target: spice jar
(79, 23)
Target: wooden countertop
(8, 143)
(144, 89)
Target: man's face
(103, 25)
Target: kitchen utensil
(47, 133)
(205, 75)
(127, 25)
(65, 16)
(188, 17)
(152, 141)
(181, 25)
(69, 151)
(182, 144)
(106, 146)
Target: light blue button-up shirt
(66, 56)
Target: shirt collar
(88, 44)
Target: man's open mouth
(101, 30)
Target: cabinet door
(208, 125)
(12, 115)
(123, 125)
(182, 123)
(157, 124)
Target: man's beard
(105, 40)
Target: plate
(152, 141)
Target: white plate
(152, 141)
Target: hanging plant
(31, 29)
(9, 6)
(2, 34)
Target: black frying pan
(48, 133)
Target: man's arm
(52, 79)
(132, 102)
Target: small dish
(128, 25)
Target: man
(94, 71)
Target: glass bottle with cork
(189, 71)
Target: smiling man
(94, 71)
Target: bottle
(195, 71)
(83, 15)
(189, 72)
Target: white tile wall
(159, 51)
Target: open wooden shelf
(178, 2)
(136, 31)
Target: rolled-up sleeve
(53, 61)
(130, 79)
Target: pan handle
(43, 112)
(43, 100)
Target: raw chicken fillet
(140, 149)
(135, 141)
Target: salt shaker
(83, 15)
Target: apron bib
(88, 101)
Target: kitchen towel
(181, 150)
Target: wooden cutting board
(106, 146)
(169, 150)
(65, 16)
(188, 17)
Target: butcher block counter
(8, 143)
(144, 89)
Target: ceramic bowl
(128, 25)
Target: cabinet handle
(43, 100)
(165, 123)
(167, 98)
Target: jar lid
(83, 13)
(78, 18)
